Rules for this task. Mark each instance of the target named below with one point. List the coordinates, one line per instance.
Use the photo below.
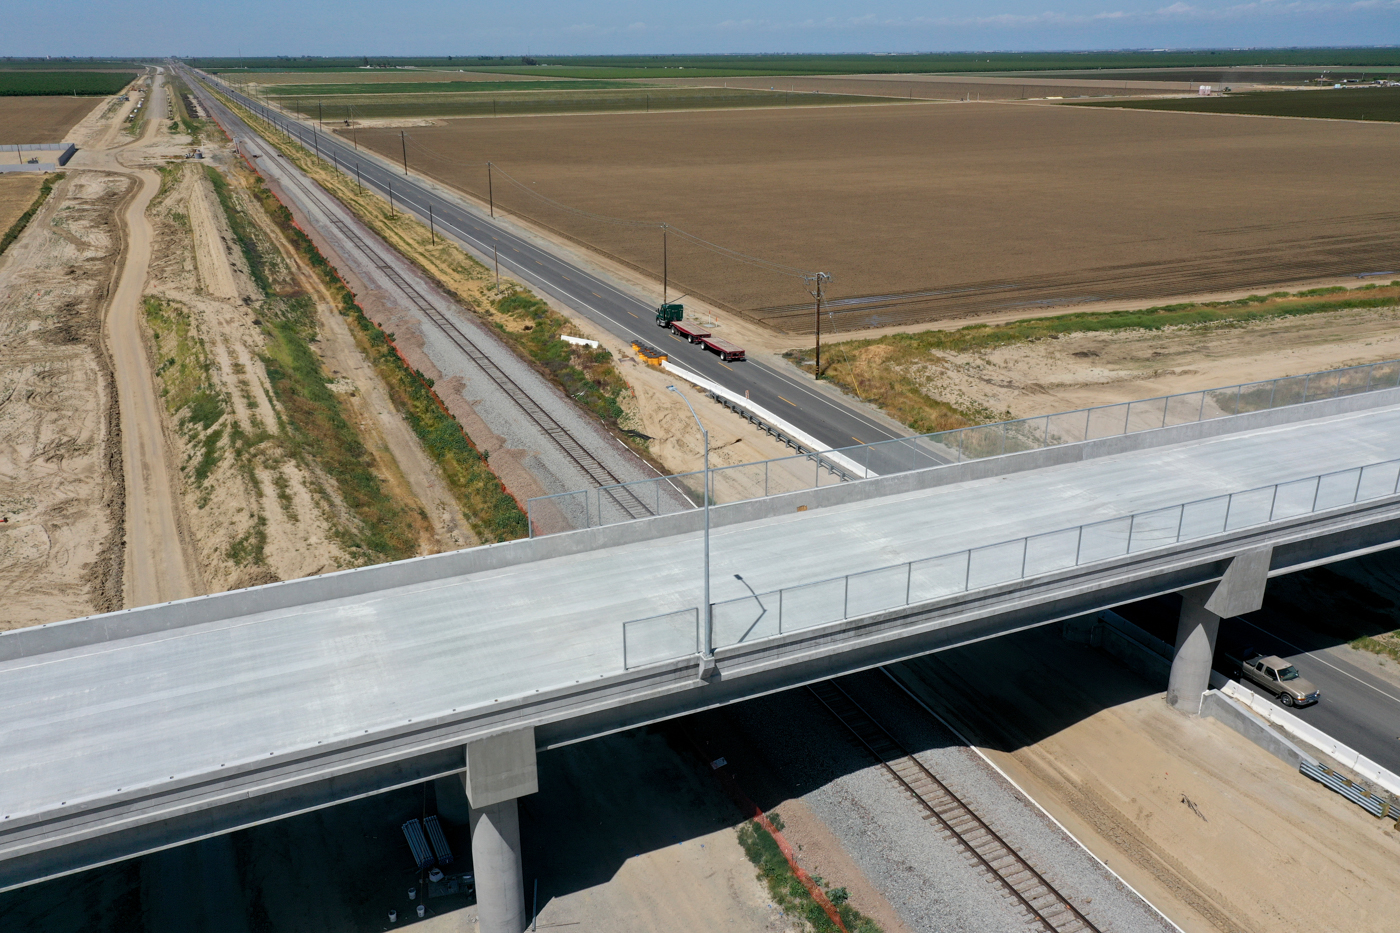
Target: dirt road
(159, 566)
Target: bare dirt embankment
(60, 464)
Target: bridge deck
(83, 722)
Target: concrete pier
(1240, 590)
(499, 769)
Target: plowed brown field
(25, 120)
(934, 211)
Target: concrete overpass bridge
(142, 729)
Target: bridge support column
(1240, 590)
(500, 769)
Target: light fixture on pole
(707, 650)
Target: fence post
(1132, 526)
(1046, 443)
(1274, 501)
(1317, 491)
(1025, 550)
(1180, 520)
(961, 432)
(780, 612)
(1307, 384)
(1087, 413)
(1128, 413)
(1229, 504)
(766, 464)
(1005, 429)
(1357, 491)
(1200, 415)
(908, 582)
(1078, 545)
(1166, 401)
(1273, 387)
(846, 598)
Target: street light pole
(707, 646)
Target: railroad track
(1045, 908)
(597, 471)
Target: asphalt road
(623, 314)
(1357, 707)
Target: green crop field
(66, 64)
(1359, 103)
(703, 66)
(392, 106)
(439, 87)
(62, 83)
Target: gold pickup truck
(1280, 678)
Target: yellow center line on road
(726, 366)
(629, 312)
(595, 295)
(856, 439)
(793, 404)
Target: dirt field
(1215, 832)
(17, 192)
(61, 550)
(947, 209)
(26, 120)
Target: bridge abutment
(500, 769)
(1240, 590)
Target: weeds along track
(591, 466)
(1044, 907)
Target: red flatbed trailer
(692, 332)
(726, 350)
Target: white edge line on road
(1006, 777)
(796, 434)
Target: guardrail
(590, 508)
(776, 612)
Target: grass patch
(63, 83)
(23, 220)
(493, 513)
(187, 385)
(788, 891)
(317, 430)
(885, 370)
(243, 231)
(1348, 103)
(585, 374)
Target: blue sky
(513, 27)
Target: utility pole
(665, 268)
(316, 141)
(320, 117)
(490, 191)
(359, 185)
(391, 204)
(820, 279)
(432, 231)
(496, 258)
(403, 141)
(355, 135)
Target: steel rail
(591, 466)
(1017, 877)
